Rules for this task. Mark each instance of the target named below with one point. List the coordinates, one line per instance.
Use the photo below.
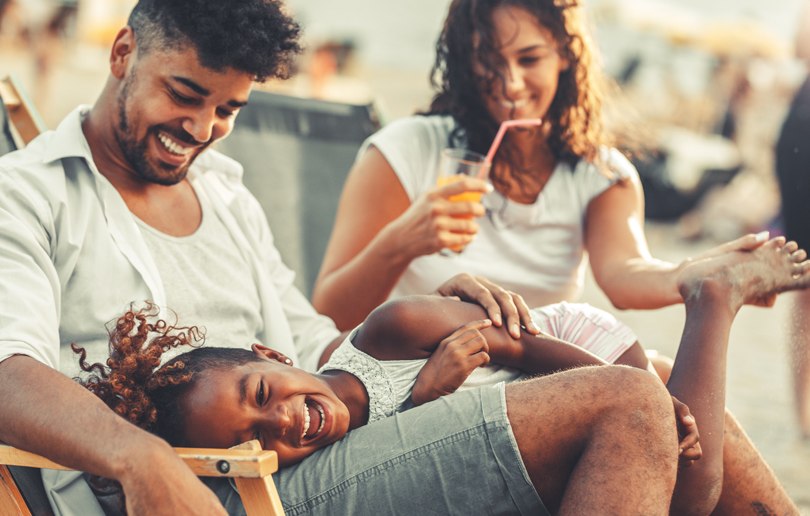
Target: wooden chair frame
(21, 111)
(249, 466)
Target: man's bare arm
(45, 412)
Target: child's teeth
(320, 427)
(306, 421)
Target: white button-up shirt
(72, 258)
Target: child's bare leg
(713, 292)
(750, 487)
(593, 445)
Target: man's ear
(271, 354)
(122, 50)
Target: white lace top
(389, 383)
(382, 400)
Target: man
(123, 203)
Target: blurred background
(710, 81)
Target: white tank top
(536, 250)
(203, 266)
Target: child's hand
(452, 362)
(689, 447)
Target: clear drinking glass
(454, 165)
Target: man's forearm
(45, 412)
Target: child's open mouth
(313, 419)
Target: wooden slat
(202, 461)
(11, 500)
(259, 495)
(13, 457)
(241, 463)
(21, 110)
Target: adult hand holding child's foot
(747, 275)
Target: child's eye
(260, 394)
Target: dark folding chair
(297, 153)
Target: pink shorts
(589, 328)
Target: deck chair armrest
(204, 462)
(249, 465)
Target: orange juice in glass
(454, 165)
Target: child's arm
(413, 327)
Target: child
(406, 338)
(221, 397)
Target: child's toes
(775, 242)
(801, 270)
(790, 247)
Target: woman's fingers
(745, 243)
(514, 309)
(465, 184)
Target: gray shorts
(456, 455)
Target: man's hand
(452, 362)
(45, 412)
(499, 303)
(159, 483)
(688, 437)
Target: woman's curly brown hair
(575, 115)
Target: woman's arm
(378, 232)
(620, 258)
(618, 252)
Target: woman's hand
(746, 243)
(499, 303)
(452, 362)
(688, 436)
(434, 222)
(378, 232)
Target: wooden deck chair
(296, 153)
(22, 114)
(249, 466)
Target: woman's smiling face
(530, 69)
(288, 410)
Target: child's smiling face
(288, 410)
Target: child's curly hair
(134, 384)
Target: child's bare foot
(743, 276)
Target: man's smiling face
(171, 108)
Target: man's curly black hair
(252, 36)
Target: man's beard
(135, 151)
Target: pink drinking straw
(498, 137)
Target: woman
(559, 189)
